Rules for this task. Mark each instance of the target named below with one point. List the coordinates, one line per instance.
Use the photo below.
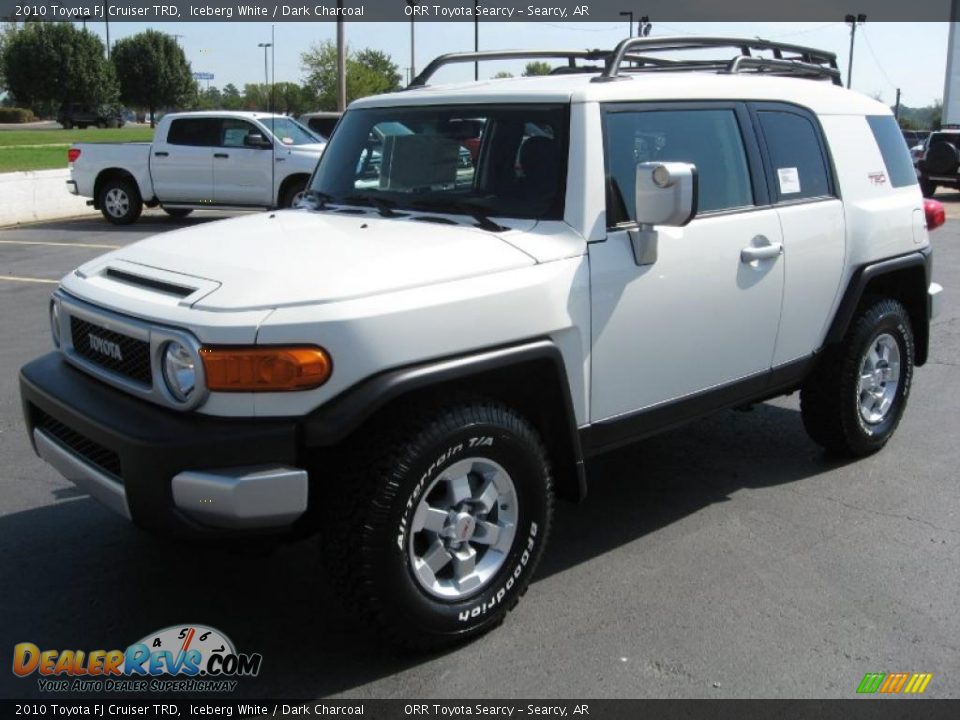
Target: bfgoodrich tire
(854, 401)
(438, 521)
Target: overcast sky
(911, 56)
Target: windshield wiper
(381, 205)
(477, 212)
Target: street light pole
(266, 76)
(107, 23)
(413, 40)
(476, 37)
(629, 15)
(341, 61)
(853, 21)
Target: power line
(877, 61)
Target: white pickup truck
(198, 160)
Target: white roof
(821, 96)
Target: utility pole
(341, 61)
(853, 21)
(896, 110)
(107, 23)
(476, 37)
(629, 15)
(273, 66)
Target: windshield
(503, 161)
(290, 132)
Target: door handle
(221, 155)
(764, 250)
(281, 159)
(161, 154)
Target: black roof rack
(787, 59)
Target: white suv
(493, 283)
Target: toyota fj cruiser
(420, 359)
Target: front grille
(97, 455)
(114, 351)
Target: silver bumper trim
(82, 474)
(261, 496)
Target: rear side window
(197, 132)
(896, 156)
(799, 167)
(710, 139)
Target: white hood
(298, 257)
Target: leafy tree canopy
(369, 72)
(537, 67)
(153, 71)
(47, 65)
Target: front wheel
(293, 193)
(855, 399)
(120, 201)
(437, 528)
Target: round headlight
(179, 371)
(55, 322)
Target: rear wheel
(853, 402)
(928, 188)
(120, 201)
(436, 527)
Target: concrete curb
(39, 195)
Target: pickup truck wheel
(293, 192)
(437, 528)
(120, 201)
(853, 402)
(177, 212)
(928, 188)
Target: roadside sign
(203, 76)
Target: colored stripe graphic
(894, 683)
(871, 682)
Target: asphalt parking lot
(731, 558)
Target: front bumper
(165, 470)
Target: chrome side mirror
(666, 194)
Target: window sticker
(789, 180)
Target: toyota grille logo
(104, 347)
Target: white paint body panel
(380, 293)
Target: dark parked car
(940, 164)
(82, 116)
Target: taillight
(73, 154)
(936, 216)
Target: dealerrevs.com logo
(180, 658)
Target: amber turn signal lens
(265, 369)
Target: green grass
(9, 138)
(47, 149)
(45, 158)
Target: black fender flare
(921, 259)
(332, 422)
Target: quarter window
(799, 168)
(896, 155)
(709, 139)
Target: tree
(369, 72)
(47, 65)
(502, 74)
(537, 67)
(153, 72)
(232, 99)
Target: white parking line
(14, 278)
(59, 244)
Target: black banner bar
(861, 709)
(468, 11)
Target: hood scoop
(147, 283)
(180, 291)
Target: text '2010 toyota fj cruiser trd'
(491, 283)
